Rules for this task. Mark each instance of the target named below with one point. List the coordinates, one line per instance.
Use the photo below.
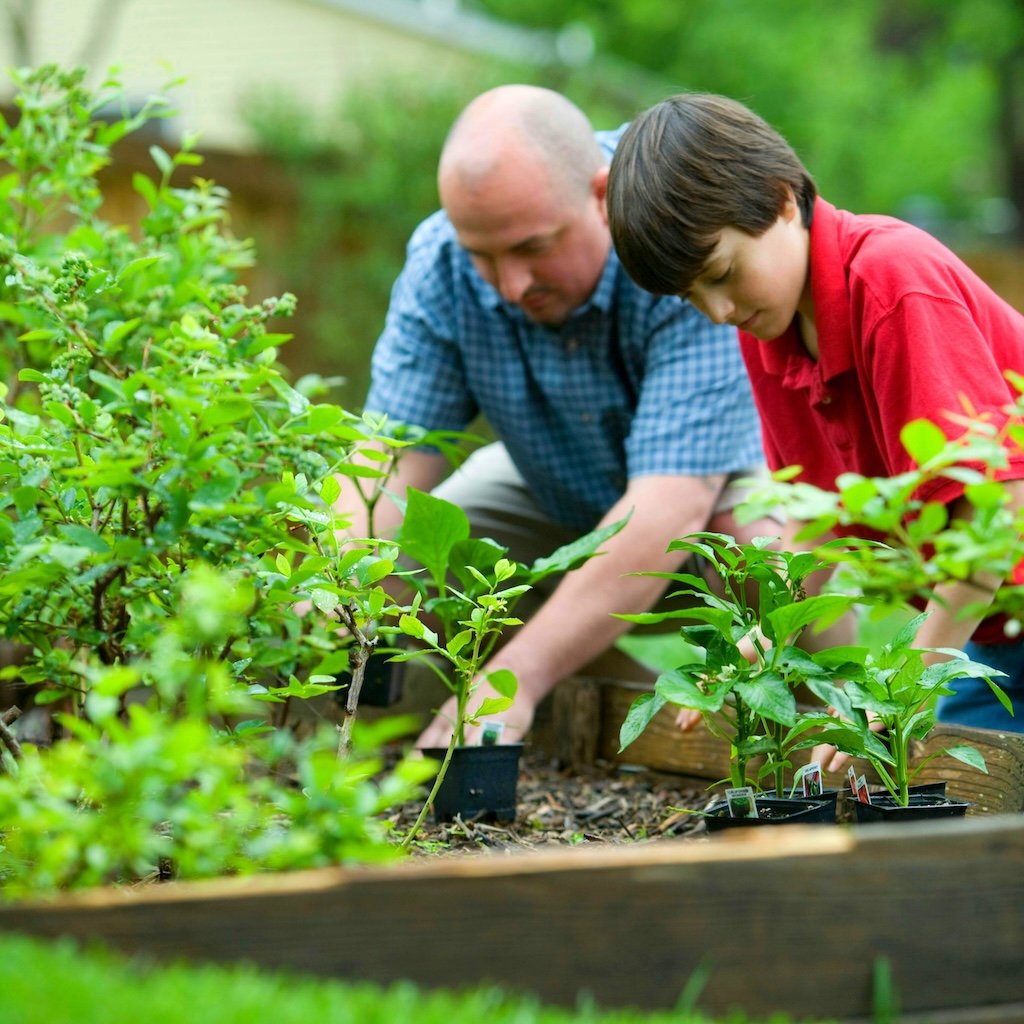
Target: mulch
(561, 807)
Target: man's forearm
(576, 623)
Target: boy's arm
(946, 625)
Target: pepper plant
(898, 541)
(887, 701)
(743, 664)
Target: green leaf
(679, 687)
(324, 600)
(490, 706)
(129, 270)
(228, 410)
(639, 716)
(990, 494)
(823, 610)
(571, 555)
(85, 537)
(330, 491)
(968, 755)
(504, 681)
(768, 695)
(923, 440)
(431, 527)
(162, 160)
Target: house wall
(226, 49)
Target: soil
(559, 807)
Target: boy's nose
(718, 308)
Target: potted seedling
(466, 593)
(900, 545)
(742, 665)
(884, 705)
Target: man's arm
(575, 624)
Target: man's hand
(517, 719)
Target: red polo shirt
(905, 331)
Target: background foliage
(906, 107)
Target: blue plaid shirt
(632, 384)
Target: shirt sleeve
(928, 359)
(416, 370)
(695, 414)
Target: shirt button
(826, 399)
(586, 418)
(572, 344)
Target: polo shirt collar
(831, 291)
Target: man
(605, 399)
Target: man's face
(757, 283)
(542, 252)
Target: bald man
(603, 397)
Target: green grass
(58, 983)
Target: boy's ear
(599, 186)
(790, 208)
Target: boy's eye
(722, 277)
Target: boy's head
(688, 168)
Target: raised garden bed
(585, 899)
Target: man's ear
(599, 186)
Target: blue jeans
(974, 704)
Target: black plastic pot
(829, 796)
(772, 810)
(883, 807)
(382, 682)
(480, 782)
(929, 788)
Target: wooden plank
(1001, 791)
(788, 920)
(661, 746)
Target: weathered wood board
(789, 919)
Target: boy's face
(757, 283)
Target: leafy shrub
(166, 515)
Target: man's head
(687, 170)
(523, 180)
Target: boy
(850, 326)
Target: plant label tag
(490, 733)
(862, 790)
(741, 802)
(851, 777)
(810, 779)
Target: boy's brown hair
(684, 170)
